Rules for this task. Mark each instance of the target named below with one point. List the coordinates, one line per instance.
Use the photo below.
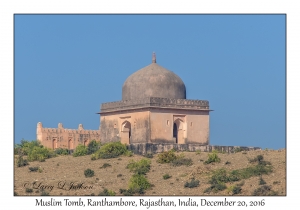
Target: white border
(9, 8)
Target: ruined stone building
(153, 110)
(65, 138)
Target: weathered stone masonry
(65, 138)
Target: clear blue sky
(65, 66)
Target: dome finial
(153, 57)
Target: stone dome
(153, 81)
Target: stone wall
(143, 149)
(155, 102)
(61, 137)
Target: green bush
(80, 150)
(193, 183)
(248, 172)
(213, 157)
(139, 167)
(261, 181)
(61, 151)
(111, 150)
(138, 183)
(33, 169)
(28, 190)
(238, 149)
(182, 161)
(235, 189)
(166, 157)
(40, 154)
(126, 192)
(215, 187)
(260, 160)
(166, 176)
(89, 173)
(105, 165)
(92, 147)
(21, 161)
(148, 155)
(264, 190)
(27, 146)
(198, 152)
(107, 192)
(45, 193)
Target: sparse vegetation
(89, 173)
(138, 184)
(33, 169)
(45, 193)
(80, 150)
(213, 158)
(166, 176)
(193, 183)
(234, 189)
(92, 147)
(166, 157)
(238, 149)
(29, 190)
(221, 176)
(126, 192)
(139, 167)
(182, 161)
(215, 188)
(105, 165)
(238, 178)
(34, 151)
(264, 190)
(40, 154)
(111, 150)
(148, 155)
(175, 160)
(107, 192)
(21, 161)
(61, 151)
(26, 146)
(261, 181)
(40, 170)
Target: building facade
(65, 138)
(153, 110)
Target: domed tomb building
(154, 110)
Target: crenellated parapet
(61, 137)
(155, 102)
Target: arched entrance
(85, 142)
(178, 131)
(54, 144)
(70, 144)
(126, 132)
(175, 133)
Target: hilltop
(112, 174)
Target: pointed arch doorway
(126, 132)
(178, 131)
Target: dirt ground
(57, 174)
